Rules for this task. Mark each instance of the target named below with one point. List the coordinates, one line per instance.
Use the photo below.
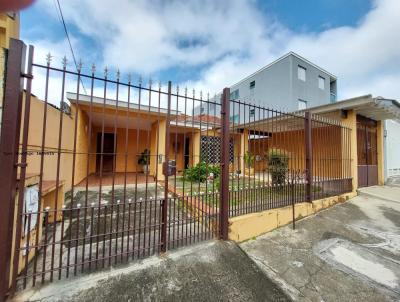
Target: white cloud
(233, 39)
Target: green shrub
(144, 158)
(248, 159)
(201, 171)
(278, 161)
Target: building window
(321, 82)
(252, 84)
(234, 119)
(301, 73)
(302, 104)
(235, 94)
(252, 112)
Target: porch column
(196, 143)
(244, 147)
(380, 152)
(351, 122)
(157, 149)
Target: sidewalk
(211, 271)
(350, 252)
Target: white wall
(392, 147)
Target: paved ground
(213, 271)
(350, 252)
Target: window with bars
(210, 149)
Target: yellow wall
(381, 153)
(51, 142)
(9, 28)
(246, 227)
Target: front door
(108, 152)
(367, 152)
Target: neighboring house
(392, 147)
(9, 28)
(367, 115)
(291, 83)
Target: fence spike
(105, 71)
(129, 78)
(118, 74)
(93, 68)
(64, 62)
(79, 67)
(48, 58)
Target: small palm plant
(144, 160)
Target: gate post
(9, 145)
(224, 166)
(308, 153)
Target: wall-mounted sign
(31, 205)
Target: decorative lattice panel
(210, 149)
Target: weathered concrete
(350, 252)
(390, 193)
(214, 271)
(393, 181)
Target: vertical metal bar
(89, 143)
(125, 174)
(73, 163)
(114, 167)
(224, 197)
(45, 243)
(60, 129)
(10, 134)
(42, 154)
(27, 246)
(308, 151)
(165, 202)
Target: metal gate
(367, 152)
(98, 169)
(93, 171)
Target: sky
(208, 45)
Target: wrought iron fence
(126, 170)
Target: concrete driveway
(350, 252)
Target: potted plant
(144, 160)
(249, 162)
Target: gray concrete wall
(272, 86)
(308, 90)
(277, 86)
(392, 148)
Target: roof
(291, 53)
(377, 108)
(201, 118)
(99, 101)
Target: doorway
(367, 155)
(108, 152)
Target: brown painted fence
(98, 170)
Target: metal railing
(125, 172)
